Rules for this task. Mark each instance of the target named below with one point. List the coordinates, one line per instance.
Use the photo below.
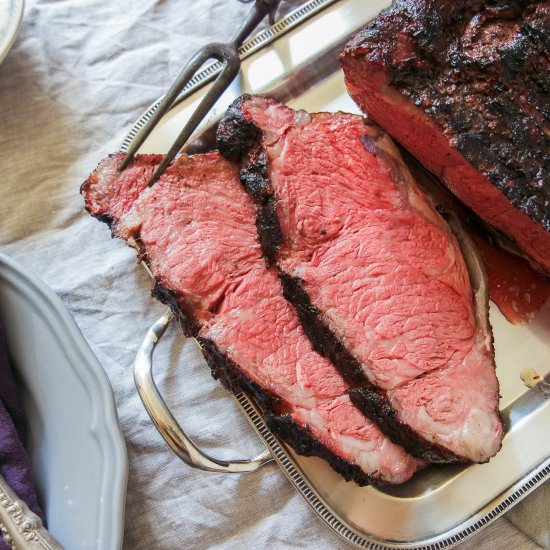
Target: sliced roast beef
(195, 228)
(378, 279)
(465, 87)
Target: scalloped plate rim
(103, 421)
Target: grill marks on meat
(195, 228)
(376, 276)
(464, 87)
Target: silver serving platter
(296, 61)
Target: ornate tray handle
(165, 422)
(19, 527)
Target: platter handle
(165, 422)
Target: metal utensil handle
(165, 422)
(20, 528)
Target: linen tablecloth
(80, 73)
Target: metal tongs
(228, 55)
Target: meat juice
(515, 287)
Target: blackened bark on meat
(255, 179)
(269, 231)
(370, 400)
(282, 425)
(236, 135)
(305, 444)
(184, 315)
(479, 70)
(232, 378)
(374, 405)
(238, 139)
(321, 337)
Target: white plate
(11, 14)
(78, 453)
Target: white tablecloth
(80, 73)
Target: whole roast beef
(376, 275)
(195, 229)
(465, 87)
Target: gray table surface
(80, 73)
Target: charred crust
(490, 99)
(236, 135)
(323, 340)
(184, 315)
(255, 179)
(239, 139)
(269, 230)
(254, 173)
(369, 399)
(232, 378)
(282, 425)
(304, 444)
(374, 405)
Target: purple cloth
(14, 461)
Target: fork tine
(221, 83)
(228, 53)
(166, 102)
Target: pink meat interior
(196, 226)
(384, 271)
